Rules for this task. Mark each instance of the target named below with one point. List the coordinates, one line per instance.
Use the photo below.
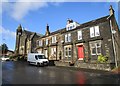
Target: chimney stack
(47, 30)
(111, 10)
(69, 21)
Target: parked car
(37, 59)
(5, 58)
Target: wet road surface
(22, 73)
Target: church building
(25, 41)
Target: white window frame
(68, 37)
(94, 31)
(46, 53)
(67, 52)
(46, 41)
(96, 47)
(53, 39)
(71, 27)
(97, 31)
(40, 42)
(53, 50)
(92, 47)
(80, 35)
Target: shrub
(84, 59)
(102, 59)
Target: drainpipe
(56, 49)
(113, 43)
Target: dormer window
(71, 25)
(68, 28)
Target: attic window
(71, 27)
(67, 28)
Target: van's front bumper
(45, 63)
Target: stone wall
(104, 66)
(99, 66)
(61, 63)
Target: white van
(37, 59)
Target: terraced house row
(81, 42)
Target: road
(22, 73)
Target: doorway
(80, 52)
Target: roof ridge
(96, 19)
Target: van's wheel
(28, 63)
(42, 64)
(38, 64)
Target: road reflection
(22, 73)
(80, 78)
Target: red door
(80, 52)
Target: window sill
(95, 38)
(53, 44)
(68, 43)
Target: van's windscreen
(41, 57)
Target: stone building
(79, 43)
(25, 41)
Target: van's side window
(36, 57)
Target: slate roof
(90, 23)
(55, 32)
(31, 34)
(93, 22)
